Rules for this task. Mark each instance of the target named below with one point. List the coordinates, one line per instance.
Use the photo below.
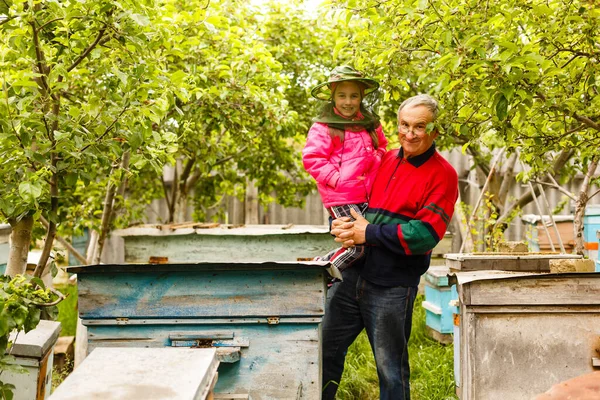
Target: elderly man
(411, 204)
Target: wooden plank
(138, 373)
(201, 335)
(506, 262)
(228, 355)
(200, 321)
(200, 266)
(536, 290)
(532, 309)
(202, 294)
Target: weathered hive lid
(535, 218)
(437, 275)
(37, 342)
(220, 229)
(524, 262)
(208, 266)
(142, 373)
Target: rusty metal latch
(273, 320)
(122, 321)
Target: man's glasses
(417, 130)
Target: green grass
(67, 310)
(431, 363)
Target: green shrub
(23, 300)
(67, 310)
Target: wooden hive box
(519, 333)
(263, 317)
(438, 312)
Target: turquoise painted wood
(5, 230)
(252, 243)
(279, 362)
(249, 243)
(265, 317)
(187, 291)
(438, 294)
(591, 223)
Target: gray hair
(421, 100)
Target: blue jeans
(386, 315)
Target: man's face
(412, 130)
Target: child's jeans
(343, 258)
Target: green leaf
(465, 147)
(29, 192)
(502, 108)
(140, 19)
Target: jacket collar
(419, 160)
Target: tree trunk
(527, 197)
(20, 239)
(181, 208)
(106, 218)
(580, 205)
(92, 246)
(251, 203)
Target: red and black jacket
(411, 204)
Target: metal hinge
(122, 321)
(273, 320)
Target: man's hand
(350, 233)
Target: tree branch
(40, 61)
(108, 129)
(51, 230)
(556, 186)
(526, 198)
(39, 28)
(88, 50)
(587, 121)
(7, 19)
(65, 243)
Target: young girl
(343, 150)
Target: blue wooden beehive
(438, 294)
(598, 255)
(591, 224)
(5, 230)
(264, 317)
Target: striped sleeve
(420, 234)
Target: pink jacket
(344, 171)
